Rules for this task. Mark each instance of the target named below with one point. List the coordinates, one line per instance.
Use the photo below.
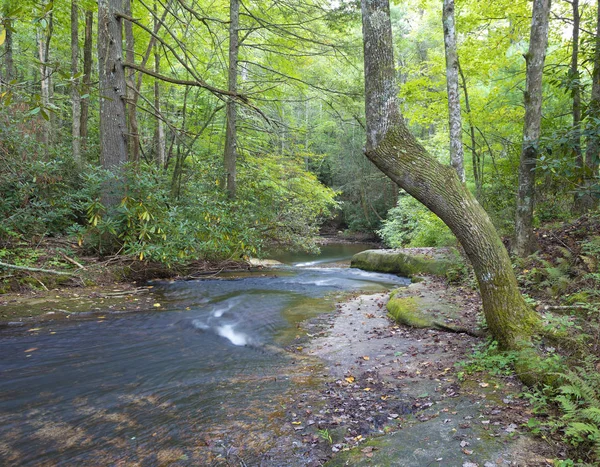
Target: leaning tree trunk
(75, 96)
(392, 148)
(525, 242)
(113, 124)
(455, 121)
(230, 154)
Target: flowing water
(203, 379)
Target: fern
(592, 414)
(582, 430)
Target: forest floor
(398, 396)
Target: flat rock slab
(410, 261)
(396, 397)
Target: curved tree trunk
(455, 121)
(525, 243)
(398, 154)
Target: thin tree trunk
(44, 38)
(230, 156)
(159, 137)
(133, 137)
(87, 74)
(455, 121)
(9, 64)
(574, 72)
(113, 124)
(75, 96)
(525, 242)
(477, 173)
(592, 150)
(392, 148)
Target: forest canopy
(280, 96)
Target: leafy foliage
(410, 224)
(278, 202)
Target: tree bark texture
(392, 148)
(87, 74)
(455, 121)
(525, 242)
(133, 137)
(230, 154)
(113, 124)
(75, 96)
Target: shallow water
(204, 378)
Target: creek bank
(393, 396)
(410, 262)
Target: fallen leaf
(366, 358)
(157, 305)
(34, 329)
(366, 389)
(33, 349)
(350, 379)
(483, 385)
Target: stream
(198, 380)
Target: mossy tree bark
(398, 154)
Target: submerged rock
(411, 261)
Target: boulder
(409, 262)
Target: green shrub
(277, 202)
(410, 224)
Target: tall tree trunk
(592, 150)
(44, 37)
(113, 124)
(525, 242)
(574, 72)
(455, 121)
(87, 74)
(159, 136)
(392, 148)
(9, 64)
(75, 96)
(230, 155)
(133, 137)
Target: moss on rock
(406, 310)
(408, 263)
